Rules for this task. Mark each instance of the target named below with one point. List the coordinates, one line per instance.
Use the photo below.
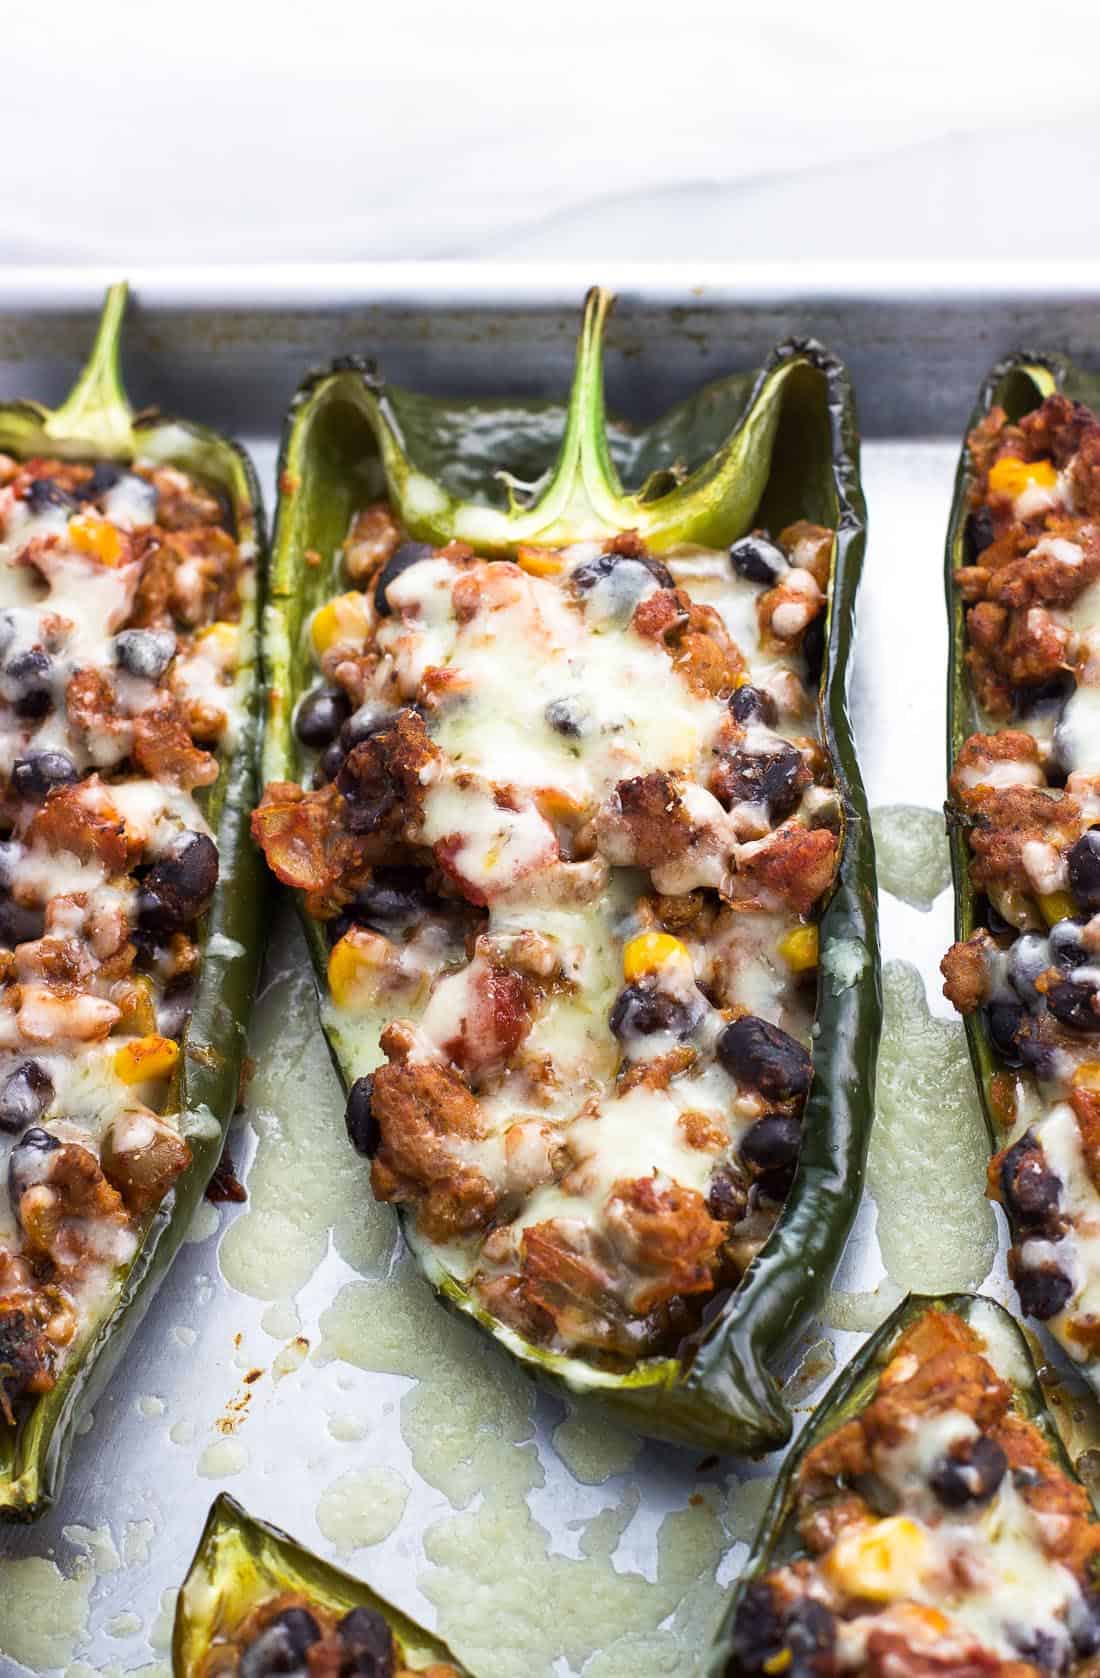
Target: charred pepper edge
(1044, 373)
(849, 1394)
(36, 1453)
(719, 1393)
(235, 1544)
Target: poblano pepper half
(761, 449)
(244, 1578)
(930, 1541)
(96, 425)
(1022, 742)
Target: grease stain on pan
(911, 853)
(362, 1508)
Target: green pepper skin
(766, 448)
(241, 1562)
(777, 1539)
(1018, 384)
(96, 423)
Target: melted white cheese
(509, 655)
(71, 604)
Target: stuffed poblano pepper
(129, 550)
(564, 776)
(928, 1521)
(1023, 579)
(256, 1604)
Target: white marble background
(227, 130)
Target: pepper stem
(96, 414)
(601, 477)
(581, 497)
(581, 491)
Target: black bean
(19, 925)
(643, 1008)
(1042, 1649)
(34, 775)
(977, 534)
(280, 1651)
(1033, 1052)
(799, 1642)
(25, 1163)
(1003, 1021)
(42, 493)
(1083, 865)
(811, 1638)
(30, 674)
(1030, 1192)
(775, 1185)
(368, 792)
(597, 570)
(368, 720)
(1067, 945)
(364, 1132)
(748, 704)
(144, 652)
(369, 1641)
(180, 884)
(321, 715)
(1084, 1624)
(771, 778)
(813, 648)
(329, 764)
(409, 553)
(727, 1195)
(393, 899)
(970, 1477)
(567, 716)
(758, 1634)
(772, 1143)
(987, 914)
(1041, 698)
(24, 1096)
(1028, 957)
(368, 802)
(778, 782)
(758, 560)
(766, 1058)
(1071, 1001)
(1043, 1292)
(103, 478)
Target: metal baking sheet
(292, 1358)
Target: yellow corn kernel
(145, 1058)
(1057, 906)
(354, 966)
(778, 1662)
(880, 1562)
(538, 562)
(90, 534)
(649, 951)
(1010, 476)
(219, 641)
(345, 619)
(921, 1618)
(798, 948)
(1086, 1076)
